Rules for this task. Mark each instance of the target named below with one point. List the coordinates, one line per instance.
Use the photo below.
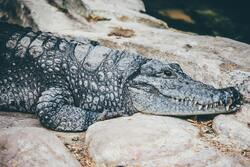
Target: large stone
(73, 141)
(29, 13)
(33, 147)
(136, 5)
(13, 119)
(143, 140)
(234, 129)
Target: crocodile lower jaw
(159, 104)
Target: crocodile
(70, 84)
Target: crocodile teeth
(229, 103)
(206, 106)
(221, 103)
(200, 107)
(194, 104)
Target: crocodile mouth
(148, 99)
(194, 106)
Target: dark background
(227, 18)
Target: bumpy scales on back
(70, 85)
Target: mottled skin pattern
(70, 85)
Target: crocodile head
(164, 89)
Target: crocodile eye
(168, 73)
(165, 74)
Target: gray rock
(13, 119)
(143, 140)
(33, 147)
(234, 129)
(136, 5)
(73, 141)
(28, 13)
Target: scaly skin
(70, 85)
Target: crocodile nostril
(233, 96)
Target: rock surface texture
(33, 147)
(16, 128)
(234, 129)
(140, 140)
(144, 140)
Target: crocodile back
(7, 30)
(96, 76)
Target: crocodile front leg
(56, 111)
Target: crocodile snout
(231, 98)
